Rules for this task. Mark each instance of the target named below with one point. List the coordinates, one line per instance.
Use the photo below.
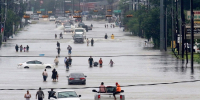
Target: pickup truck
(79, 34)
(109, 94)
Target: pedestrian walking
(92, 42)
(91, 25)
(65, 59)
(57, 76)
(45, 75)
(27, 48)
(24, 49)
(16, 48)
(70, 61)
(88, 42)
(55, 36)
(67, 64)
(113, 26)
(112, 36)
(52, 94)
(100, 62)
(106, 36)
(61, 37)
(40, 94)
(118, 90)
(54, 75)
(56, 61)
(69, 48)
(27, 95)
(111, 62)
(58, 50)
(58, 44)
(102, 88)
(21, 47)
(110, 25)
(90, 61)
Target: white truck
(79, 34)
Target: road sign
(95, 10)
(129, 15)
(117, 11)
(42, 9)
(39, 12)
(49, 12)
(67, 11)
(109, 10)
(108, 15)
(76, 16)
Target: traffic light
(67, 11)
(95, 10)
(109, 10)
(129, 15)
(76, 16)
(108, 15)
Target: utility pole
(192, 33)
(73, 7)
(166, 29)
(162, 44)
(135, 4)
(177, 27)
(1, 21)
(182, 27)
(172, 17)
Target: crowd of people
(21, 48)
(111, 26)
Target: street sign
(95, 10)
(49, 12)
(39, 12)
(26, 16)
(117, 11)
(42, 9)
(129, 15)
(108, 15)
(67, 12)
(45, 16)
(76, 16)
(109, 10)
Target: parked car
(35, 17)
(52, 18)
(75, 78)
(68, 29)
(66, 95)
(58, 24)
(109, 94)
(34, 64)
(81, 24)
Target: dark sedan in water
(76, 78)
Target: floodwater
(135, 64)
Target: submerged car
(68, 29)
(76, 78)
(109, 94)
(52, 18)
(65, 95)
(34, 64)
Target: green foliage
(145, 23)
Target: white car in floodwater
(66, 95)
(34, 64)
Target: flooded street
(135, 63)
